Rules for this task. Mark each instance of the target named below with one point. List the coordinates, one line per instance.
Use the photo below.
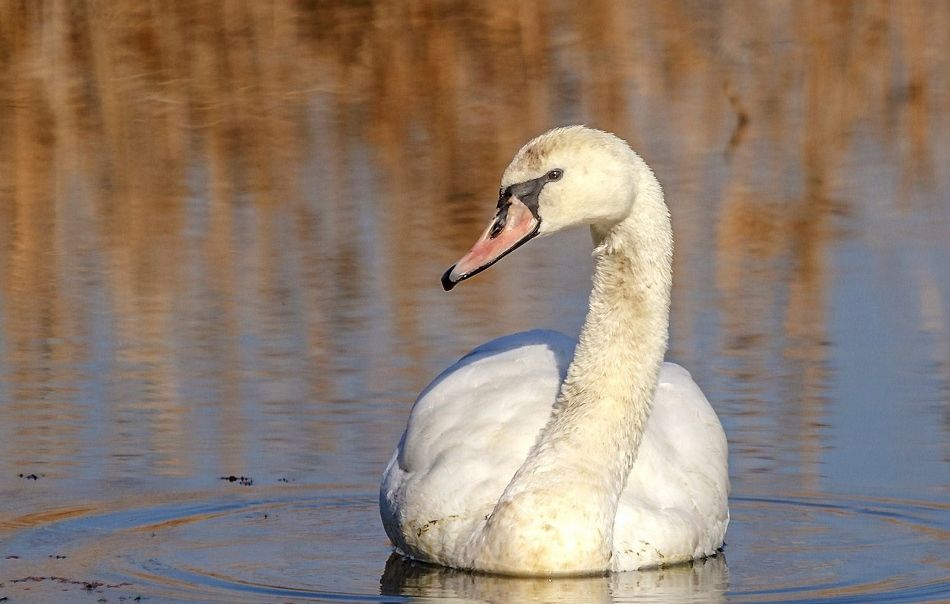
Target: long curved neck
(612, 379)
(559, 508)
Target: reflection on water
(222, 227)
(304, 544)
(702, 581)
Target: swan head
(563, 178)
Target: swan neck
(566, 494)
(612, 379)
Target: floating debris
(242, 480)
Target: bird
(539, 455)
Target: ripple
(837, 549)
(329, 546)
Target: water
(317, 544)
(221, 234)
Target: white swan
(536, 456)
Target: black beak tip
(447, 283)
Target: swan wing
(468, 433)
(675, 504)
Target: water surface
(221, 234)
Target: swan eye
(555, 174)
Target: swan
(537, 455)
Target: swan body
(538, 455)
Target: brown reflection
(220, 220)
(44, 517)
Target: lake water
(222, 228)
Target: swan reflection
(699, 581)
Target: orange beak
(513, 226)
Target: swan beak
(513, 226)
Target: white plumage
(535, 455)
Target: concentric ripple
(328, 546)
